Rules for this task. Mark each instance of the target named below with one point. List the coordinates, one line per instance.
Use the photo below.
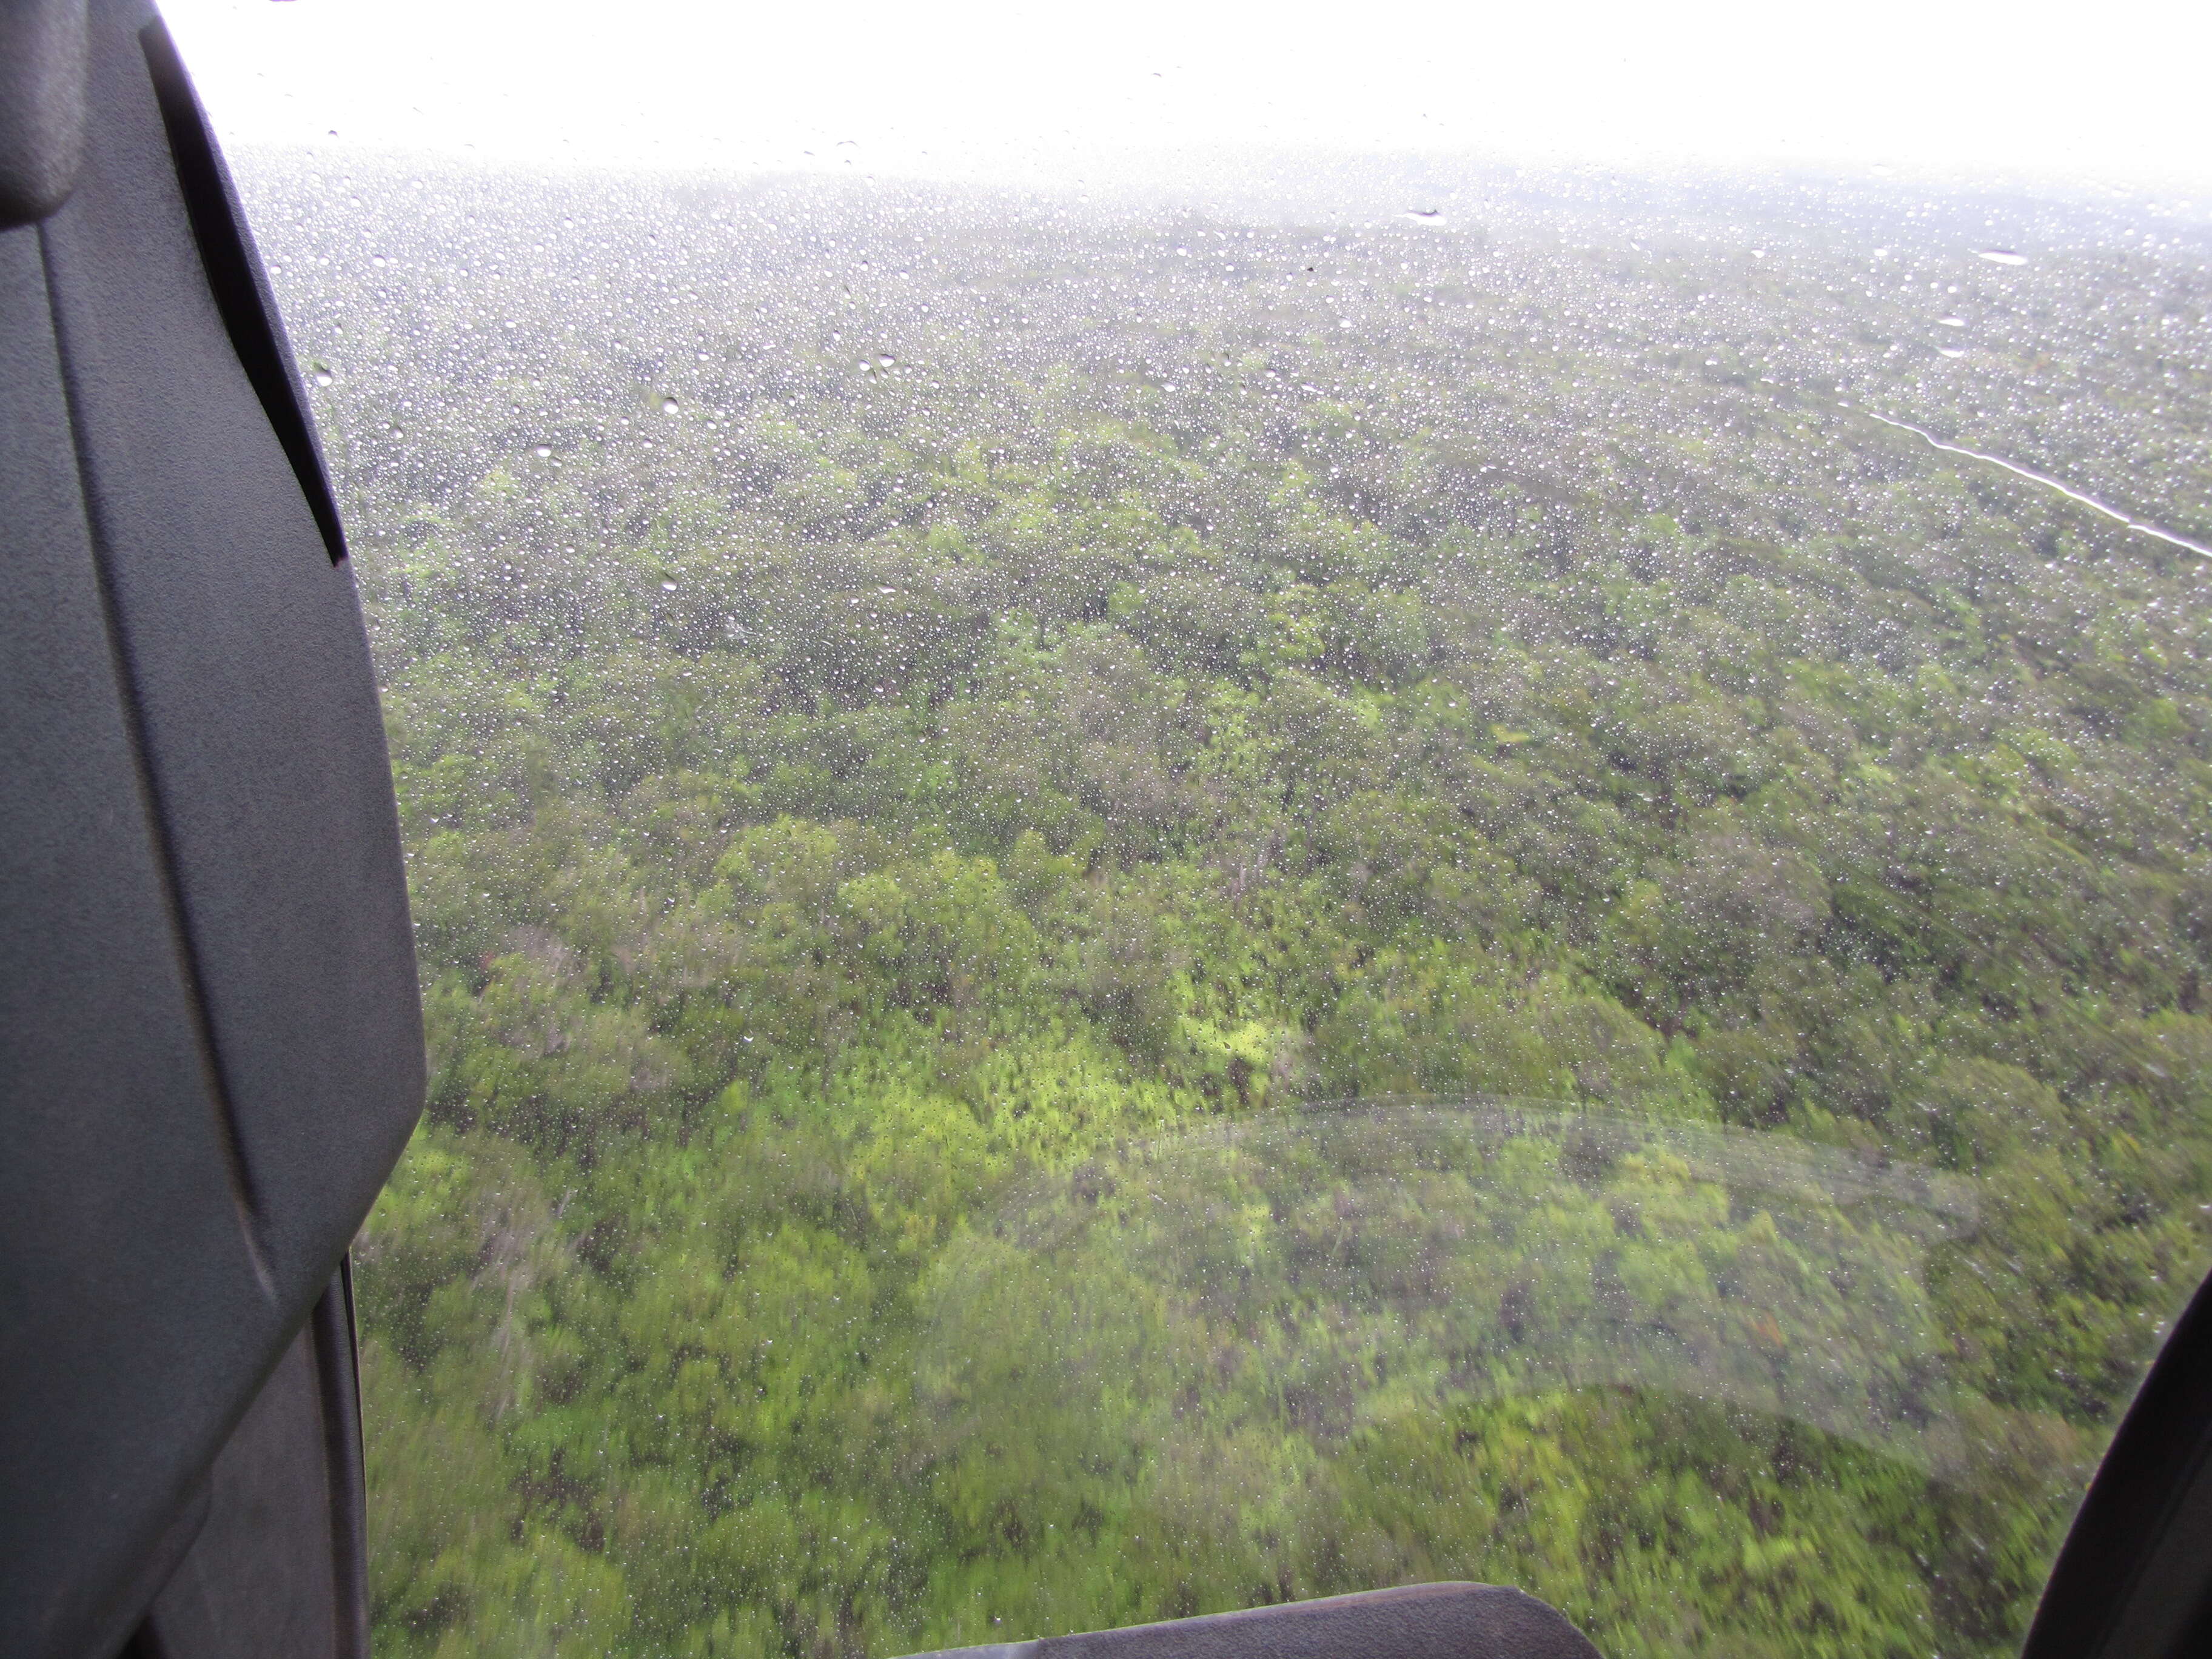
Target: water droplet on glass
(322, 377)
(668, 588)
(886, 361)
(1951, 351)
(2003, 256)
(668, 405)
(545, 450)
(1951, 322)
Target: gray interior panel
(210, 1042)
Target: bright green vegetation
(901, 854)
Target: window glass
(1215, 805)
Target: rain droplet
(545, 450)
(668, 405)
(1951, 351)
(2003, 256)
(322, 377)
(1951, 322)
(886, 361)
(668, 588)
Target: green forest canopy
(1122, 917)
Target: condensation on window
(1143, 892)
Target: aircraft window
(1204, 813)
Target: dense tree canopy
(1123, 916)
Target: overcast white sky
(2113, 92)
